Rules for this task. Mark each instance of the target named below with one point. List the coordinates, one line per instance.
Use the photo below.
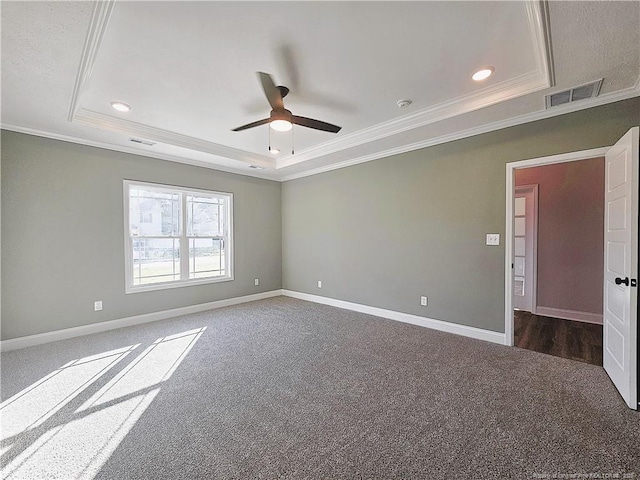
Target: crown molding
(489, 96)
(540, 35)
(534, 81)
(490, 127)
(97, 27)
(510, 89)
(542, 77)
(271, 174)
(267, 174)
(95, 36)
(148, 132)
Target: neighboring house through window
(176, 236)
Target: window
(176, 236)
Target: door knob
(620, 281)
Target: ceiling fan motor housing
(284, 114)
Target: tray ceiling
(188, 69)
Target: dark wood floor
(563, 338)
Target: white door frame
(510, 190)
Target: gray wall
(381, 233)
(386, 232)
(63, 234)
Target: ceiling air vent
(588, 90)
(142, 142)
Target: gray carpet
(283, 388)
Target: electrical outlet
(493, 239)
(319, 283)
(423, 301)
(97, 306)
(256, 282)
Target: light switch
(493, 239)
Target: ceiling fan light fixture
(121, 106)
(281, 125)
(483, 73)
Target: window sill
(183, 283)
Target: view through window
(176, 236)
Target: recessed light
(121, 106)
(257, 167)
(483, 74)
(274, 151)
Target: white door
(621, 266)
(525, 216)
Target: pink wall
(570, 233)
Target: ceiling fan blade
(251, 125)
(271, 91)
(315, 124)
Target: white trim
(586, 317)
(440, 325)
(42, 338)
(502, 92)
(184, 281)
(538, 79)
(508, 251)
(129, 128)
(470, 132)
(508, 257)
(560, 158)
(99, 21)
(529, 82)
(267, 174)
(271, 174)
(541, 35)
(95, 35)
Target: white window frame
(184, 239)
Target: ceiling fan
(282, 119)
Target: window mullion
(184, 239)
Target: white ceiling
(189, 71)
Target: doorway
(559, 310)
(620, 256)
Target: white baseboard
(473, 332)
(569, 314)
(39, 339)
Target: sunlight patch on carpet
(80, 444)
(35, 404)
